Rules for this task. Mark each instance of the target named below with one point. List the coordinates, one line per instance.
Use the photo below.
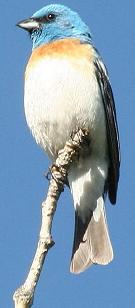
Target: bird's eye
(47, 18)
(50, 17)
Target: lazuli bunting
(67, 88)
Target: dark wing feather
(112, 130)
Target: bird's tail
(91, 239)
(91, 243)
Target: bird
(67, 88)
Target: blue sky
(23, 164)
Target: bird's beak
(28, 24)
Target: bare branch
(23, 296)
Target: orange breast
(65, 48)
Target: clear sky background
(23, 164)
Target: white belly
(61, 96)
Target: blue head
(54, 22)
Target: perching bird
(67, 88)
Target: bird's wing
(112, 129)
